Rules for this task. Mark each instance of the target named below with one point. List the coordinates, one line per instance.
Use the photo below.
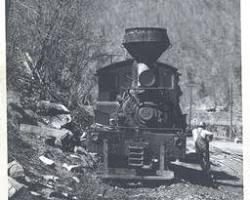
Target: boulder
(13, 186)
(56, 121)
(15, 170)
(52, 109)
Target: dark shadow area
(191, 175)
(220, 175)
(198, 177)
(182, 174)
(191, 158)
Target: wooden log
(45, 131)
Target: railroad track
(225, 160)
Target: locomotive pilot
(201, 138)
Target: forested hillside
(54, 48)
(205, 38)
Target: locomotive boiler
(139, 128)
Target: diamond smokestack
(146, 44)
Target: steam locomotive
(139, 128)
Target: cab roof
(126, 63)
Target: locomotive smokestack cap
(146, 44)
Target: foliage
(51, 49)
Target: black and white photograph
(124, 99)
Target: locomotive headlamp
(146, 76)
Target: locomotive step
(136, 159)
(135, 165)
(136, 153)
(136, 147)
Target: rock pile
(49, 159)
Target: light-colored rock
(56, 121)
(47, 161)
(76, 179)
(70, 167)
(15, 169)
(49, 107)
(13, 186)
(35, 193)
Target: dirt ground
(190, 184)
